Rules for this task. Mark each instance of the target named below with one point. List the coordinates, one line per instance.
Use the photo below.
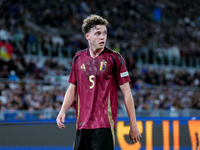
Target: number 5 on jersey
(92, 81)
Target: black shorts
(94, 139)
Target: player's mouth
(101, 43)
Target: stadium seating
(159, 41)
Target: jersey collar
(88, 51)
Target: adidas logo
(82, 66)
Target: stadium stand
(158, 39)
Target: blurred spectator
(12, 76)
(57, 41)
(30, 115)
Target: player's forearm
(129, 103)
(66, 103)
(128, 100)
(69, 98)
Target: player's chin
(101, 46)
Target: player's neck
(95, 52)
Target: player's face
(97, 37)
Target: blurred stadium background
(159, 39)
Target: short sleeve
(121, 70)
(72, 77)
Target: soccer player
(96, 74)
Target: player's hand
(134, 134)
(60, 120)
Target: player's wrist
(133, 125)
(61, 113)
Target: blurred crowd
(157, 88)
(165, 31)
(21, 68)
(166, 28)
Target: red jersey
(97, 81)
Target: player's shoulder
(112, 52)
(116, 55)
(80, 53)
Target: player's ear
(87, 36)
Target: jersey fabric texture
(97, 81)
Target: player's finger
(58, 121)
(61, 126)
(63, 118)
(134, 141)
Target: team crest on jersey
(102, 65)
(82, 66)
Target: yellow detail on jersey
(102, 66)
(78, 111)
(92, 81)
(111, 119)
(82, 66)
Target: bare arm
(68, 99)
(134, 133)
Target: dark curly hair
(91, 21)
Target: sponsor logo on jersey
(124, 74)
(102, 66)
